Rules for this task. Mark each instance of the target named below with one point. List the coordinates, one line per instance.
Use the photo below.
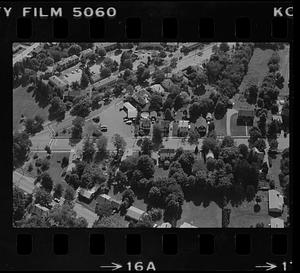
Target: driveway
(229, 113)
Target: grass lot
(220, 126)
(257, 68)
(285, 69)
(237, 130)
(201, 216)
(24, 103)
(244, 216)
(54, 170)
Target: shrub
(38, 162)
(225, 217)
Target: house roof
(165, 225)
(129, 106)
(246, 112)
(187, 225)
(183, 123)
(167, 84)
(134, 213)
(58, 81)
(67, 60)
(210, 154)
(277, 223)
(275, 200)
(157, 88)
(201, 122)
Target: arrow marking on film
(113, 267)
(269, 266)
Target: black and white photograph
(150, 135)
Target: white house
(277, 223)
(275, 202)
(130, 110)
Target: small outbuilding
(134, 213)
(277, 223)
(276, 202)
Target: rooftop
(134, 213)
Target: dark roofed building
(201, 126)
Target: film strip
(30, 246)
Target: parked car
(125, 119)
(128, 122)
(96, 119)
(77, 70)
(73, 72)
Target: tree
(69, 194)
(88, 150)
(78, 123)
(19, 204)
(147, 146)
(84, 81)
(250, 192)
(91, 176)
(58, 190)
(210, 144)
(173, 208)
(193, 137)
(224, 47)
(273, 129)
(168, 115)
(81, 108)
(74, 50)
(73, 180)
(104, 209)
(21, 148)
(45, 164)
(119, 144)
(142, 73)
(42, 197)
(155, 214)
(156, 102)
(34, 125)
(46, 181)
(255, 134)
(221, 109)
(105, 72)
(243, 150)
(48, 149)
(121, 179)
(57, 109)
(158, 76)
(146, 166)
(227, 141)
(225, 217)
(101, 51)
(64, 162)
(128, 195)
(173, 62)
(154, 196)
(251, 94)
(260, 144)
(186, 160)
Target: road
(23, 182)
(24, 53)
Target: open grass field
(24, 103)
(257, 68)
(285, 69)
(220, 126)
(236, 130)
(201, 216)
(55, 170)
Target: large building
(67, 62)
(56, 82)
(130, 110)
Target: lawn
(220, 126)
(237, 130)
(201, 215)
(24, 103)
(257, 68)
(243, 216)
(54, 170)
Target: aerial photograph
(151, 135)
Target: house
(67, 62)
(95, 77)
(167, 84)
(201, 126)
(130, 110)
(187, 225)
(107, 82)
(246, 114)
(277, 223)
(275, 202)
(85, 54)
(145, 124)
(134, 213)
(157, 88)
(39, 210)
(187, 47)
(108, 46)
(166, 154)
(141, 97)
(56, 82)
(183, 128)
(210, 154)
(86, 195)
(165, 225)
